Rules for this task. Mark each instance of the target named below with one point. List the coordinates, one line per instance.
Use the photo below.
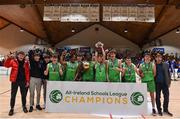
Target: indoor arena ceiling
(28, 15)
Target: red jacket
(13, 63)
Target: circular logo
(137, 98)
(55, 96)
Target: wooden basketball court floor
(174, 106)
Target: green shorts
(150, 86)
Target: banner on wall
(158, 49)
(96, 98)
(139, 13)
(72, 13)
(85, 49)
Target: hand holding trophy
(99, 45)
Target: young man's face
(159, 58)
(88, 57)
(36, 58)
(128, 61)
(147, 58)
(73, 59)
(79, 58)
(100, 59)
(47, 59)
(21, 57)
(54, 59)
(112, 55)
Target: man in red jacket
(19, 77)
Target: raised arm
(103, 52)
(62, 61)
(8, 61)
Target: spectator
(178, 66)
(163, 82)
(36, 79)
(19, 78)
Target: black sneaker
(153, 112)
(160, 113)
(25, 110)
(31, 109)
(38, 107)
(168, 113)
(11, 112)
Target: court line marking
(5, 92)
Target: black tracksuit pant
(14, 89)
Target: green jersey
(54, 71)
(130, 75)
(71, 71)
(100, 73)
(88, 75)
(114, 75)
(147, 69)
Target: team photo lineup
(31, 72)
(90, 59)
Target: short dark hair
(54, 55)
(159, 52)
(112, 51)
(21, 52)
(146, 52)
(46, 56)
(127, 57)
(72, 55)
(36, 54)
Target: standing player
(129, 70)
(147, 72)
(88, 68)
(101, 74)
(114, 67)
(54, 69)
(70, 66)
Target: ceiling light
(73, 30)
(177, 31)
(125, 30)
(21, 30)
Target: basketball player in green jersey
(54, 69)
(147, 72)
(129, 71)
(70, 66)
(88, 68)
(101, 74)
(114, 67)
